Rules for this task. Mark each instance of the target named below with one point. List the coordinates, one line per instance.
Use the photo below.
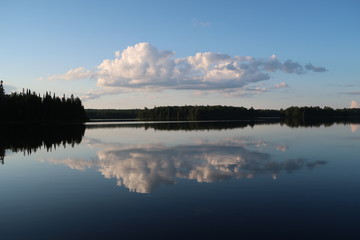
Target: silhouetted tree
(29, 107)
(2, 91)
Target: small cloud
(94, 94)
(91, 94)
(354, 104)
(282, 148)
(72, 74)
(311, 67)
(198, 23)
(312, 165)
(281, 85)
(342, 85)
(244, 92)
(352, 93)
(290, 66)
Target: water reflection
(354, 127)
(185, 125)
(223, 125)
(142, 168)
(30, 138)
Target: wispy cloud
(144, 67)
(198, 23)
(342, 85)
(9, 88)
(351, 93)
(76, 73)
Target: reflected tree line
(221, 125)
(29, 138)
(187, 125)
(28, 106)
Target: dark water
(180, 181)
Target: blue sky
(135, 54)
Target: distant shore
(196, 113)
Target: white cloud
(281, 85)
(73, 163)
(76, 73)
(354, 104)
(146, 68)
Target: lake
(193, 180)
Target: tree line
(292, 116)
(112, 113)
(28, 106)
(196, 113)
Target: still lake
(181, 181)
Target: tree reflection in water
(143, 167)
(29, 138)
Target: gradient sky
(135, 54)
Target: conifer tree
(2, 91)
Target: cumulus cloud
(354, 104)
(145, 67)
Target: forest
(292, 116)
(30, 107)
(117, 114)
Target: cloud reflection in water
(142, 168)
(354, 127)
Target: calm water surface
(135, 181)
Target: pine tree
(2, 91)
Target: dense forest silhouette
(292, 116)
(28, 106)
